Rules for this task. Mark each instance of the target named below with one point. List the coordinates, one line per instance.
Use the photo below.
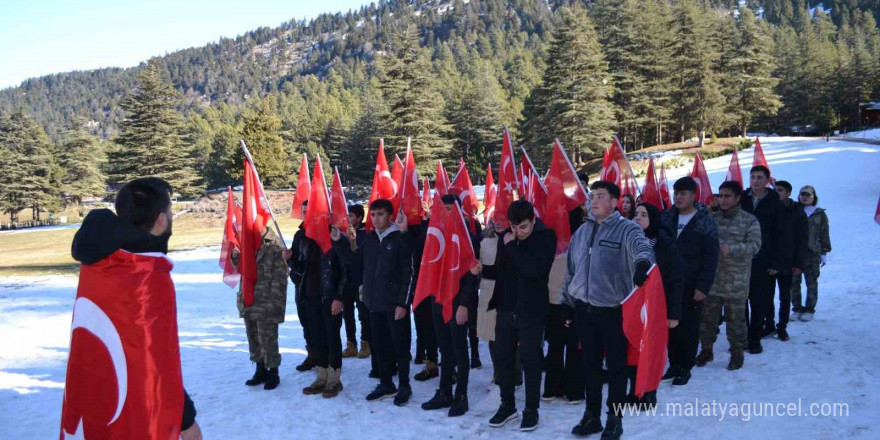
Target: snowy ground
(873, 133)
(830, 360)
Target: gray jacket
(601, 260)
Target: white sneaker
(796, 316)
(806, 317)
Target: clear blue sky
(40, 37)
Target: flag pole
(247, 155)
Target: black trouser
(784, 281)
(762, 287)
(426, 337)
(351, 302)
(565, 366)
(453, 341)
(600, 330)
(511, 331)
(326, 344)
(303, 315)
(391, 344)
(685, 338)
(473, 341)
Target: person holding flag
(460, 280)
(608, 255)
(522, 301)
(739, 235)
(305, 274)
(125, 282)
(697, 239)
(387, 288)
(670, 264)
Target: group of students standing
(725, 259)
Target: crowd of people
(719, 263)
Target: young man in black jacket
(772, 258)
(142, 224)
(697, 239)
(522, 310)
(796, 224)
(305, 273)
(388, 268)
(452, 338)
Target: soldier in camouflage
(261, 319)
(739, 237)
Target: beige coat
(557, 277)
(486, 317)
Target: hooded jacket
(388, 268)
(102, 233)
(601, 261)
(698, 245)
(776, 239)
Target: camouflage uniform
(818, 244)
(261, 319)
(742, 233)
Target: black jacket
(355, 266)
(388, 268)
(522, 270)
(698, 246)
(800, 231)
(777, 240)
(305, 266)
(671, 267)
(333, 276)
(103, 233)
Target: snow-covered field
(873, 133)
(832, 360)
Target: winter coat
(486, 317)
(102, 233)
(333, 276)
(820, 240)
(524, 274)
(388, 268)
(698, 246)
(601, 261)
(671, 267)
(741, 232)
(355, 267)
(305, 265)
(797, 222)
(777, 241)
(270, 291)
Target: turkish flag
(704, 189)
(664, 187)
(441, 180)
(467, 195)
(410, 201)
(651, 191)
(123, 373)
(338, 205)
(734, 172)
(384, 186)
(536, 192)
(431, 266)
(646, 329)
(255, 213)
(426, 194)
(523, 179)
(507, 183)
(758, 158)
(303, 188)
(489, 196)
(616, 169)
(318, 210)
(457, 260)
(564, 193)
(397, 177)
(231, 231)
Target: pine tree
(572, 103)
(81, 157)
(151, 142)
(477, 119)
(260, 129)
(27, 167)
(414, 107)
(751, 69)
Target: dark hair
(686, 183)
(784, 184)
(305, 203)
(613, 190)
(762, 169)
(142, 200)
(449, 199)
(632, 207)
(584, 177)
(357, 210)
(520, 211)
(653, 229)
(733, 186)
(382, 204)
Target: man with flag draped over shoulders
(126, 299)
